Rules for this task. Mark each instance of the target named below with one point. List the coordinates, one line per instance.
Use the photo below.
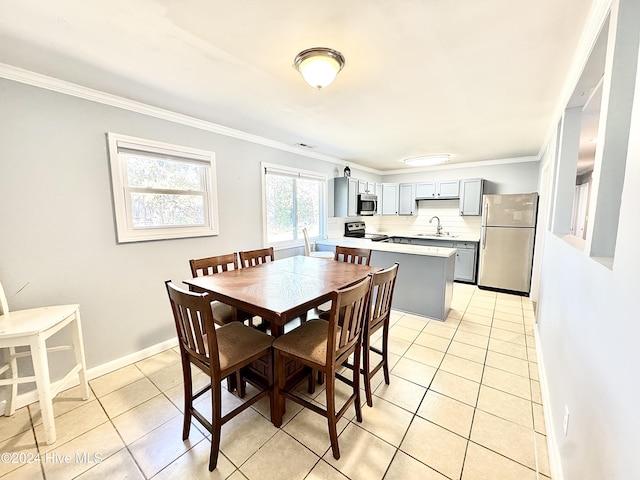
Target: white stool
(318, 254)
(32, 328)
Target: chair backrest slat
(194, 325)
(4, 306)
(251, 258)
(307, 246)
(212, 265)
(382, 287)
(346, 319)
(361, 256)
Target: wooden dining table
(281, 290)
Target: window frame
(294, 173)
(121, 190)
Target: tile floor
(464, 403)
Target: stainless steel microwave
(367, 204)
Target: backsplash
(447, 210)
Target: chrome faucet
(439, 227)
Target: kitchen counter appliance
(357, 230)
(367, 204)
(506, 242)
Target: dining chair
(31, 328)
(323, 346)
(218, 352)
(361, 256)
(222, 313)
(309, 253)
(251, 258)
(382, 286)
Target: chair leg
(231, 383)
(10, 408)
(366, 368)
(240, 384)
(331, 415)
(216, 423)
(385, 343)
(78, 351)
(43, 384)
(356, 382)
(311, 382)
(278, 385)
(188, 399)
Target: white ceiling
(478, 79)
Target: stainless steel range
(357, 230)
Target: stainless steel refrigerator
(506, 243)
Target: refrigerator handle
(484, 237)
(485, 213)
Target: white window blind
(293, 199)
(161, 191)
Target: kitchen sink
(437, 235)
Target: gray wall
(588, 332)
(502, 178)
(57, 239)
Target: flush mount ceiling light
(319, 66)
(427, 160)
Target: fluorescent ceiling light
(319, 66)
(427, 160)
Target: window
(293, 199)
(162, 191)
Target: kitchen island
(425, 277)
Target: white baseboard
(31, 396)
(555, 464)
(134, 357)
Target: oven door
(367, 204)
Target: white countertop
(389, 247)
(445, 238)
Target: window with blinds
(293, 199)
(161, 191)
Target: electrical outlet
(565, 422)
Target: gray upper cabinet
(435, 190)
(407, 199)
(471, 190)
(378, 190)
(426, 190)
(345, 196)
(448, 189)
(389, 199)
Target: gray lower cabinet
(465, 262)
(466, 255)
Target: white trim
(31, 396)
(295, 172)
(27, 77)
(206, 162)
(134, 357)
(453, 166)
(555, 463)
(56, 85)
(597, 15)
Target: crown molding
(28, 77)
(453, 166)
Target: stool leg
(10, 407)
(78, 350)
(43, 383)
